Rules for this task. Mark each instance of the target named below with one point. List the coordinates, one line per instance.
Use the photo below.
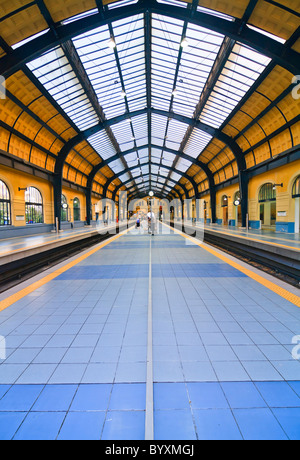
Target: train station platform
(150, 337)
(277, 238)
(16, 248)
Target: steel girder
(282, 55)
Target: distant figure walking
(151, 222)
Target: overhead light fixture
(151, 193)
(174, 92)
(123, 93)
(184, 43)
(111, 44)
(277, 185)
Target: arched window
(224, 201)
(64, 209)
(267, 193)
(33, 206)
(76, 209)
(4, 204)
(296, 188)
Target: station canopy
(170, 96)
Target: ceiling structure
(174, 96)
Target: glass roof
(159, 74)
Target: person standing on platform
(151, 222)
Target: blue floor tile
(258, 424)
(289, 419)
(9, 423)
(278, 394)
(216, 424)
(128, 396)
(124, 425)
(174, 425)
(204, 395)
(82, 426)
(55, 398)
(20, 397)
(91, 397)
(170, 396)
(242, 395)
(40, 426)
(4, 389)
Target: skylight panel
(121, 3)
(167, 159)
(140, 129)
(29, 39)
(123, 134)
(156, 154)
(80, 16)
(217, 14)
(124, 177)
(98, 60)
(198, 56)
(197, 142)
(175, 176)
(174, 3)
(176, 131)
(240, 72)
(166, 38)
(116, 166)
(102, 144)
(267, 34)
(68, 92)
(183, 164)
(158, 129)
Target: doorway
(267, 206)
(296, 196)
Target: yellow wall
(70, 194)
(285, 174)
(284, 202)
(229, 192)
(15, 179)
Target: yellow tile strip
(37, 284)
(293, 298)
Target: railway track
(283, 263)
(15, 272)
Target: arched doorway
(296, 197)
(76, 209)
(5, 213)
(224, 206)
(64, 209)
(267, 206)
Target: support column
(88, 197)
(213, 204)
(243, 182)
(57, 190)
